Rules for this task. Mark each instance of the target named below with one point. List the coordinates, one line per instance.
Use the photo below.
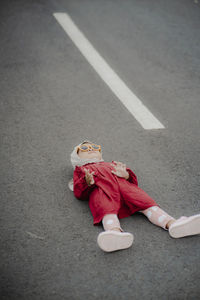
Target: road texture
(51, 99)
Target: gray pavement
(51, 99)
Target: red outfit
(110, 194)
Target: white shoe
(112, 240)
(185, 226)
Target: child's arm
(81, 188)
(132, 177)
(121, 170)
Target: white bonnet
(77, 161)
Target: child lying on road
(113, 193)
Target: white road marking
(119, 88)
(35, 236)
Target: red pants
(129, 199)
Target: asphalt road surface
(51, 100)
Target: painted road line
(119, 88)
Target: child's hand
(89, 177)
(120, 170)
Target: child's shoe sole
(111, 240)
(185, 227)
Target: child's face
(90, 154)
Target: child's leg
(111, 222)
(158, 216)
(184, 226)
(113, 238)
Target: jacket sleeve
(81, 189)
(132, 176)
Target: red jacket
(110, 193)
